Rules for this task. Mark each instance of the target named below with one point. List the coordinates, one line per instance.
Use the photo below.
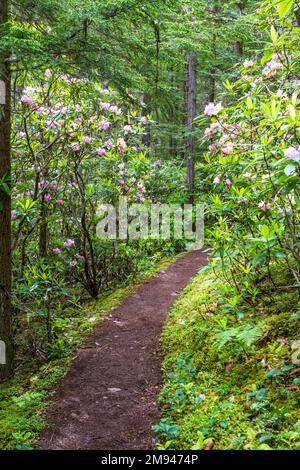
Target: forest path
(107, 401)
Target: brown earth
(108, 399)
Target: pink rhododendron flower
(87, 140)
(217, 180)
(273, 65)
(109, 144)
(122, 182)
(13, 215)
(264, 206)
(56, 251)
(228, 182)
(105, 125)
(134, 149)
(69, 243)
(101, 151)
(115, 110)
(48, 73)
(47, 197)
(227, 150)
(133, 179)
(212, 109)
(127, 128)
(208, 132)
(59, 202)
(75, 147)
(121, 142)
(26, 100)
(291, 153)
(144, 120)
(105, 105)
(157, 163)
(40, 110)
(73, 264)
(248, 63)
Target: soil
(107, 401)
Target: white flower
(212, 109)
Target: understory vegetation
(24, 400)
(229, 383)
(232, 342)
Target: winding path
(108, 399)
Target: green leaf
(274, 35)
(250, 104)
(284, 7)
(265, 231)
(290, 169)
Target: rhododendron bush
(254, 160)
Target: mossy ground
(24, 399)
(229, 397)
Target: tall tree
(5, 201)
(190, 104)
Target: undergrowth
(24, 399)
(231, 381)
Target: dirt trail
(107, 400)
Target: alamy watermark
(2, 92)
(157, 222)
(2, 353)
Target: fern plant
(240, 339)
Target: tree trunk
(6, 369)
(190, 104)
(298, 17)
(43, 239)
(239, 45)
(146, 137)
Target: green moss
(238, 396)
(24, 399)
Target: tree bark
(297, 13)
(190, 104)
(239, 45)
(6, 369)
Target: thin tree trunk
(239, 45)
(213, 82)
(190, 103)
(298, 17)
(146, 137)
(43, 239)
(6, 369)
